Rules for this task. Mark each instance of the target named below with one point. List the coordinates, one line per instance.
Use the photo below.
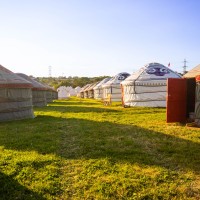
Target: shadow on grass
(77, 102)
(75, 109)
(11, 189)
(77, 138)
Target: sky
(97, 37)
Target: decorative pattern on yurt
(113, 88)
(38, 91)
(147, 86)
(98, 90)
(15, 96)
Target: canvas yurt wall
(82, 91)
(86, 91)
(148, 86)
(113, 87)
(15, 96)
(38, 91)
(91, 90)
(98, 91)
(62, 92)
(49, 93)
(72, 92)
(197, 101)
(78, 89)
(54, 94)
(195, 73)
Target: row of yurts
(65, 92)
(19, 93)
(146, 87)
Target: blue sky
(97, 37)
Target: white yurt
(148, 86)
(86, 94)
(62, 92)
(72, 92)
(15, 96)
(38, 91)
(113, 87)
(91, 90)
(98, 90)
(81, 93)
(78, 89)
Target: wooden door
(176, 100)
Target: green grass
(80, 149)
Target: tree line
(75, 81)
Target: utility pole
(49, 71)
(184, 66)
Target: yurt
(62, 92)
(38, 91)
(77, 89)
(197, 101)
(86, 94)
(148, 86)
(49, 94)
(113, 87)
(54, 94)
(91, 90)
(193, 72)
(72, 92)
(82, 91)
(98, 91)
(15, 96)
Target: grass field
(80, 149)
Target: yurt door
(176, 100)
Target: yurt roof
(84, 87)
(99, 85)
(193, 72)
(117, 79)
(36, 85)
(9, 79)
(151, 73)
(49, 88)
(92, 86)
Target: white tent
(98, 90)
(113, 88)
(91, 90)
(72, 92)
(15, 96)
(77, 89)
(148, 86)
(63, 92)
(86, 95)
(38, 91)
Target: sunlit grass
(80, 149)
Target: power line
(185, 66)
